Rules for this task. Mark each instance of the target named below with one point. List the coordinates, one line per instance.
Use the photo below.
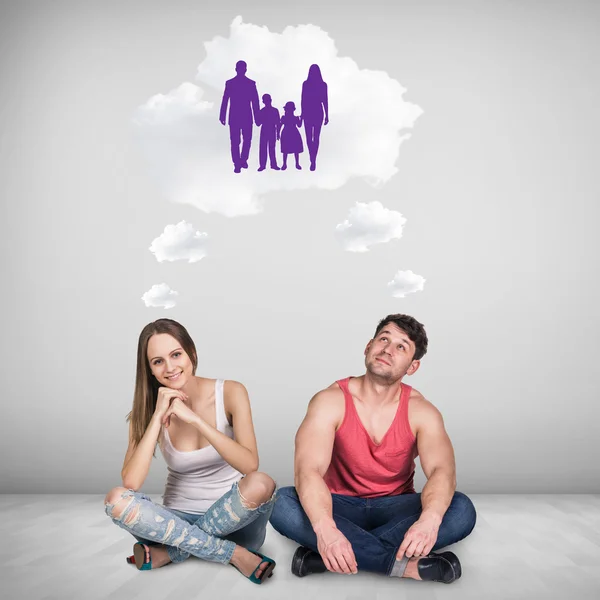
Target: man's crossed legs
(375, 527)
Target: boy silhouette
(268, 121)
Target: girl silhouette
(291, 140)
(314, 106)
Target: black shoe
(453, 559)
(444, 567)
(244, 164)
(305, 561)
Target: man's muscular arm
(314, 445)
(437, 460)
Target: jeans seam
(400, 523)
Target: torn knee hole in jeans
(253, 505)
(133, 515)
(247, 503)
(123, 510)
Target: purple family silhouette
(244, 110)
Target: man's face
(389, 356)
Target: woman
(216, 504)
(314, 105)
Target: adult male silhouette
(242, 96)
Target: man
(354, 505)
(242, 96)
(268, 119)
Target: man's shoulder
(418, 402)
(245, 81)
(327, 406)
(332, 393)
(416, 397)
(240, 81)
(421, 410)
(330, 398)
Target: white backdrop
(497, 185)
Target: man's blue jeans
(374, 526)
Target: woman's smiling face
(168, 361)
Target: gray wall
(496, 182)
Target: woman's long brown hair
(146, 385)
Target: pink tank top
(360, 467)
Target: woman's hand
(163, 400)
(182, 411)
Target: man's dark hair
(412, 327)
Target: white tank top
(198, 478)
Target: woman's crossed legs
(173, 536)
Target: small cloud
(179, 242)
(160, 295)
(406, 282)
(369, 224)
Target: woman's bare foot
(246, 562)
(159, 556)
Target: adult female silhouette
(314, 107)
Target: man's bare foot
(412, 569)
(246, 562)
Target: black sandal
(268, 572)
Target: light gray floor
(523, 547)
